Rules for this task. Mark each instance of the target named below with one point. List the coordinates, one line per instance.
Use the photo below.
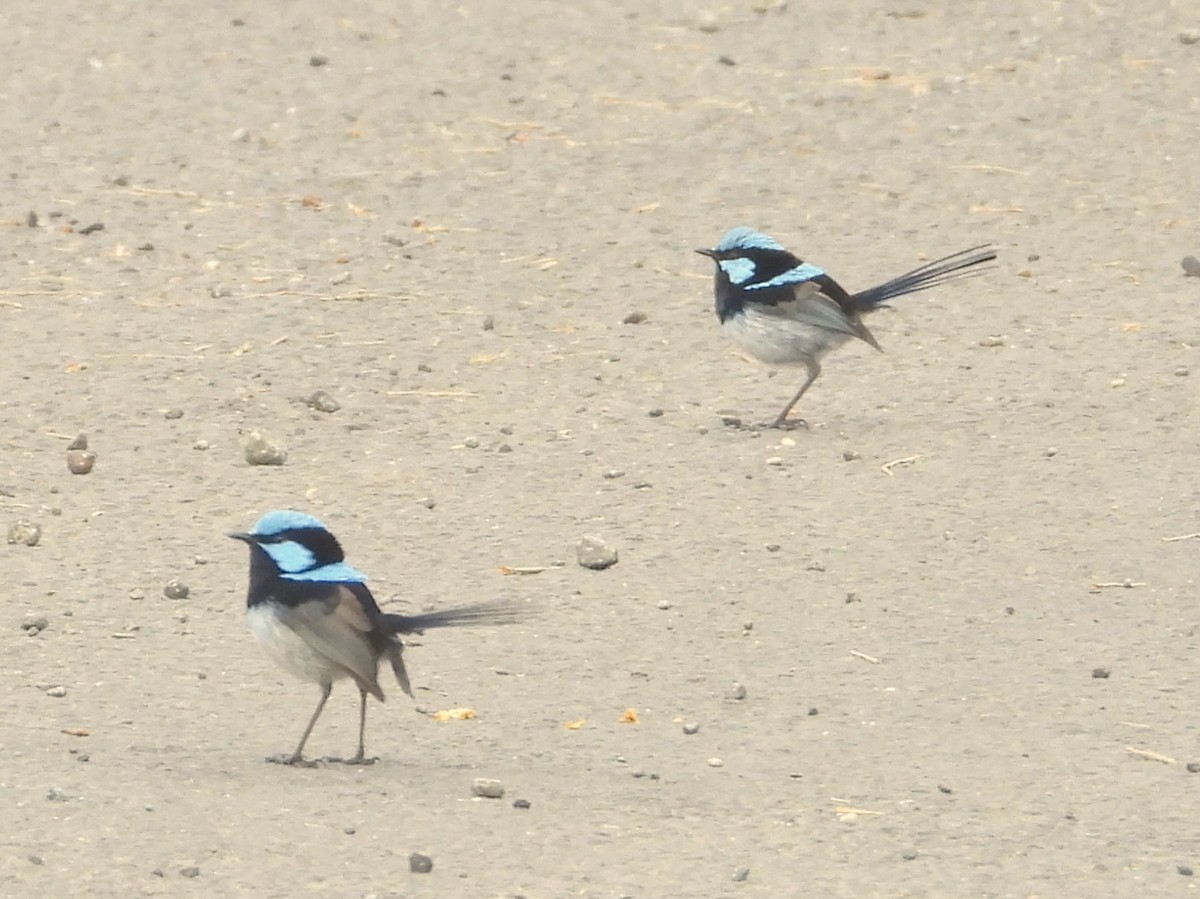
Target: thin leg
(360, 758)
(814, 370)
(297, 757)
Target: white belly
(288, 649)
(781, 341)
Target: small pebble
(489, 323)
(262, 451)
(189, 871)
(664, 604)
(775, 460)
(1188, 38)
(613, 474)
(31, 219)
(317, 60)
(908, 854)
(1193, 767)
(1191, 265)
(420, 864)
(773, 547)
(56, 795)
(35, 624)
(340, 278)
(738, 692)
(175, 589)
(200, 445)
(58, 692)
(487, 788)
(350, 830)
(173, 414)
(740, 875)
(715, 762)
(36, 860)
(427, 501)
(1101, 672)
(1051, 452)
(240, 136)
(80, 461)
(850, 455)
(521, 803)
(471, 443)
(634, 318)
(691, 728)
(1117, 382)
(991, 341)
(80, 442)
(25, 532)
(137, 593)
(1182, 371)
(1184, 870)
(655, 413)
(594, 553)
(321, 401)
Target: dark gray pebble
(175, 589)
(1101, 673)
(420, 864)
(321, 401)
(80, 461)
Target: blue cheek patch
(334, 573)
(291, 557)
(739, 270)
(798, 275)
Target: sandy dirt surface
(947, 689)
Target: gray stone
(487, 788)
(594, 553)
(25, 532)
(260, 450)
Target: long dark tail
(931, 274)
(481, 614)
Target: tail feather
(396, 657)
(931, 274)
(481, 614)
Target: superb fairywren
(316, 618)
(789, 312)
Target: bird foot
(355, 760)
(294, 761)
(783, 424)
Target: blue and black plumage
(317, 619)
(789, 312)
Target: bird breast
(288, 649)
(778, 340)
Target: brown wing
(813, 306)
(339, 628)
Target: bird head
(748, 259)
(299, 548)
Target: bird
(316, 618)
(789, 312)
